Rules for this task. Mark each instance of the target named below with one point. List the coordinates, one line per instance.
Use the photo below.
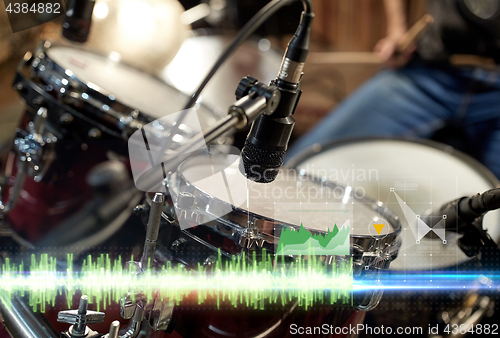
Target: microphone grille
(260, 165)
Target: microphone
(463, 211)
(76, 26)
(266, 144)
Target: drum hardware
(63, 93)
(184, 208)
(71, 91)
(80, 319)
(20, 320)
(162, 316)
(178, 245)
(35, 154)
(31, 92)
(259, 100)
(152, 229)
(134, 311)
(35, 149)
(210, 260)
(114, 329)
(251, 237)
(159, 313)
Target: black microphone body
(460, 213)
(78, 19)
(267, 142)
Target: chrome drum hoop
(102, 105)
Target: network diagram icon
(422, 228)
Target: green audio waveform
(238, 281)
(335, 242)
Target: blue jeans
(415, 102)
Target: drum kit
(70, 157)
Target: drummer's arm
(396, 28)
(396, 18)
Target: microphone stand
(465, 216)
(476, 241)
(256, 99)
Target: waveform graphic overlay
(335, 242)
(239, 281)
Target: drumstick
(413, 34)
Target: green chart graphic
(303, 242)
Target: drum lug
(157, 312)
(35, 152)
(94, 133)
(161, 316)
(186, 209)
(178, 245)
(19, 86)
(209, 261)
(66, 119)
(251, 238)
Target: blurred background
(340, 26)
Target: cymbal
(146, 34)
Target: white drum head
(290, 198)
(410, 178)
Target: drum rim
(317, 148)
(128, 118)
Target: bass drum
(84, 106)
(411, 178)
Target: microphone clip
(254, 99)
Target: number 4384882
(40, 8)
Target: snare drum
(88, 106)
(412, 178)
(216, 209)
